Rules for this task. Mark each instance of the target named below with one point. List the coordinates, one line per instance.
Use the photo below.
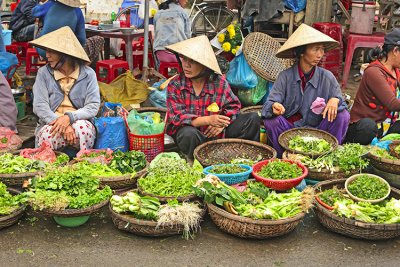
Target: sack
(6, 61)
(295, 5)
(111, 128)
(9, 139)
(43, 153)
(145, 123)
(125, 89)
(240, 75)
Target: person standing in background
(22, 22)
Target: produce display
(97, 169)
(280, 170)
(382, 153)
(309, 144)
(128, 162)
(141, 207)
(171, 177)
(332, 195)
(227, 169)
(8, 202)
(368, 187)
(10, 164)
(66, 188)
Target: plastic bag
(125, 89)
(158, 98)
(9, 140)
(295, 5)
(240, 75)
(103, 156)
(43, 153)
(172, 155)
(6, 61)
(146, 123)
(111, 128)
(260, 90)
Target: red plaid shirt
(183, 105)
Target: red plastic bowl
(279, 184)
(323, 203)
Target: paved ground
(40, 242)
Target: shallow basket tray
(122, 181)
(383, 164)
(224, 150)
(256, 109)
(285, 137)
(72, 212)
(12, 218)
(249, 228)
(354, 228)
(164, 199)
(259, 50)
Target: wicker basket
(224, 150)
(256, 109)
(249, 228)
(123, 181)
(285, 137)
(353, 228)
(72, 212)
(386, 165)
(12, 218)
(192, 197)
(392, 150)
(259, 50)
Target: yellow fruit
(227, 47)
(221, 38)
(213, 107)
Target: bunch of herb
(227, 169)
(255, 192)
(309, 144)
(8, 202)
(382, 153)
(128, 162)
(96, 169)
(61, 160)
(368, 187)
(330, 196)
(280, 170)
(10, 163)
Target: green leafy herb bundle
(8, 202)
(10, 163)
(368, 187)
(280, 170)
(96, 169)
(330, 196)
(227, 169)
(128, 162)
(309, 144)
(142, 207)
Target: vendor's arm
(40, 11)
(27, 11)
(8, 110)
(336, 93)
(41, 101)
(276, 95)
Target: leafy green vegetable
(391, 137)
(309, 144)
(226, 169)
(368, 187)
(8, 202)
(397, 149)
(247, 161)
(61, 160)
(141, 207)
(96, 169)
(382, 153)
(128, 162)
(10, 163)
(280, 170)
(332, 195)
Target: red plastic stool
(112, 66)
(22, 49)
(355, 41)
(134, 47)
(164, 66)
(32, 61)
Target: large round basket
(353, 228)
(324, 174)
(164, 199)
(224, 150)
(259, 50)
(285, 137)
(123, 181)
(256, 109)
(12, 218)
(72, 212)
(249, 228)
(383, 164)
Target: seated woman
(8, 109)
(189, 95)
(376, 106)
(171, 25)
(305, 95)
(66, 93)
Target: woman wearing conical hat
(305, 95)
(201, 105)
(66, 93)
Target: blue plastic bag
(295, 5)
(240, 75)
(6, 61)
(158, 98)
(111, 131)
(381, 144)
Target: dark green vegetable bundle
(8, 202)
(227, 169)
(128, 162)
(142, 207)
(309, 144)
(280, 170)
(332, 195)
(368, 187)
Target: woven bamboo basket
(385, 165)
(285, 137)
(164, 199)
(248, 228)
(259, 50)
(222, 151)
(123, 181)
(392, 150)
(12, 218)
(353, 228)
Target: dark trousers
(245, 126)
(365, 130)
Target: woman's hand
(59, 125)
(69, 135)
(212, 131)
(278, 109)
(331, 109)
(218, 121)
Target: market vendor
(8, 109)
(377, 103)
(305, 95)
(66, 94)
(193, 95)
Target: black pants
(365, 130)
(246, 126)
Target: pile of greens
(309, 144)
(141, 207)
(128, 162)
(61, 160)
(280, 170)
(96, 169)
(66, 187)
(227, 169)
(171, 177)
(8, 202)
(397, 149)
(368, 187)
(10, 164)
(332, 195)
(382, 153)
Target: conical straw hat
(305, 35)
(198, 49)
(64, 41)
(71, 3)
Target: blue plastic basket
(6, 34)
(234, 178)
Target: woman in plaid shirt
(191, 93)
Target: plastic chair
(112, 66)
(164, 66)
(355, 41)
(22, 49)
(32, 61)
